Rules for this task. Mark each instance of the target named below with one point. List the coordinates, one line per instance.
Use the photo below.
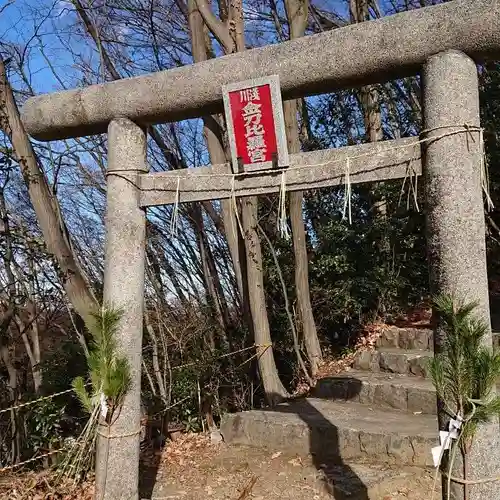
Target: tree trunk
(208, 267)
(274, 389)
(297, 13)
(370, 103)
(213, 138)
(8, 310)
(210, 276)
(26, 323)
(12, 387)
(253, 277)
(155, 356)
(45, 204)
(212, 283)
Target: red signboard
(253, 124)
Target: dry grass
(29, 485)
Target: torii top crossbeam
(375, 51)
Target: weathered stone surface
(404, 361)
(422, 400)
(369, 162)
(400, 448)
(394, 361)
(384, 390)
(373, 444)
(367, 360)
(455, 223)
(420, 339)
(394, 396)
(391, 47)
(117, 471)
(367, 394)
(336, 431)
(419, 364)
(406, 338)
(416, 338)
(389, 337)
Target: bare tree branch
(218, 29)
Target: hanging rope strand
(485, 181)
(347, 212)
(175, 211)
(282, 217)
(235, 212)
(347, 191)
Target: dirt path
(191, 468)
(194, 469)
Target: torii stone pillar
(117, 472)
(455, 224)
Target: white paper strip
(104, 406)
(445, 438)
(437, 455)
(455, 426)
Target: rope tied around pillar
(411, 174)
(117, 436)
(468, 129)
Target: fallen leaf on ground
(248, 488)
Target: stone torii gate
(443, 42)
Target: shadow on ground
(149, 463)
(340, 480)
(148, 470)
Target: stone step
(394, 360)
(335, 432)
(406, 338)
(384, 390)
(416, 338)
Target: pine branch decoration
(109, 380)
(465, 372)
(109, 373)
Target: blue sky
(45, 30)
(33, 23)
(31, 26)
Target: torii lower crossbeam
(385, 160)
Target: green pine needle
(108, 372)
(81, 392)
(465, 372)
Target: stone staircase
(383, 411)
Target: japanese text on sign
(254, 130)
(253, 122)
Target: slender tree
(297, 14)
